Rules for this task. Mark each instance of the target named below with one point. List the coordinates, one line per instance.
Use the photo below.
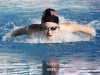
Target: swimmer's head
(49, 22)
(50, 15)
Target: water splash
(94, 24)
(61, 37)
(39, 37)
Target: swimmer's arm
(84, 29)
(72, 27)
(26, 30)
(20, 31)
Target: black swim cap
(50, 15)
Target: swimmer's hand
(15, 33)
(7, 36)
(93, 32)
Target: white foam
(61, 37)
(39, 37)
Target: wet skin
(50, 33)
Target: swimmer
(50, 26)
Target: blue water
(24, 56)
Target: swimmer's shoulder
(66, 26)
(34, 28)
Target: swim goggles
(49, 28)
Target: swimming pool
(77, 55)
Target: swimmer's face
(50, 29)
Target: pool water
(77, 54)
